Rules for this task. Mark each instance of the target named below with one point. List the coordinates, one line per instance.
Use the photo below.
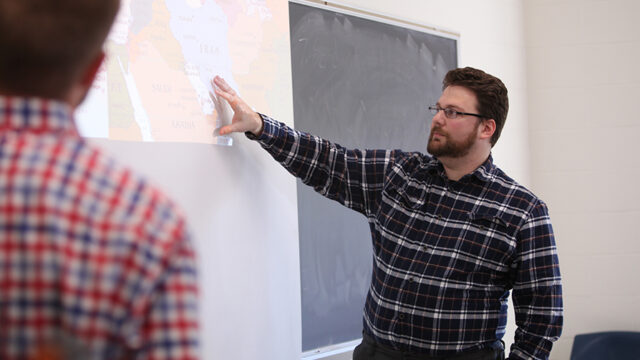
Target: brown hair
(47, 44)
(489, 90)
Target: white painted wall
(584, 90)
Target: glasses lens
(433, 109)
(450, 113)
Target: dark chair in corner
(613, 345)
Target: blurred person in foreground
(94, 262)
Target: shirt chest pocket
(401, 213)
(476, 247)
(488, 236)
(407, 196)
(487, 220)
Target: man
(452, 234)
(94, 262)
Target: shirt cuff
(268, 130)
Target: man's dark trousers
(370, 350)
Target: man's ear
(487, 128)
(83, 85)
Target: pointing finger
(228, 129)
(222, 84)
(225, 95)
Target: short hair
(490, 91)
(47, 44)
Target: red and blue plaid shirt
(446, 253)
(94, 262)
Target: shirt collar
(483, 173)
(36, 115)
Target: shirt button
(424, 248)
(481, 227)
(410, 280)
(401, 316)
(439, 217)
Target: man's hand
(244, 118)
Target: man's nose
(438, 118)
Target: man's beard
(447, 147)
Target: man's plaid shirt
(446, 253)
(94, 262)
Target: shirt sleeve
(537, 291)
(170, 328)
(354, 178)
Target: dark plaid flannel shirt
(446, 253)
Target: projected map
(161, 56)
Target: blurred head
(49, 46)
(490, 93)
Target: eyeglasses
(449, 113)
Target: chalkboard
(361, 83)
